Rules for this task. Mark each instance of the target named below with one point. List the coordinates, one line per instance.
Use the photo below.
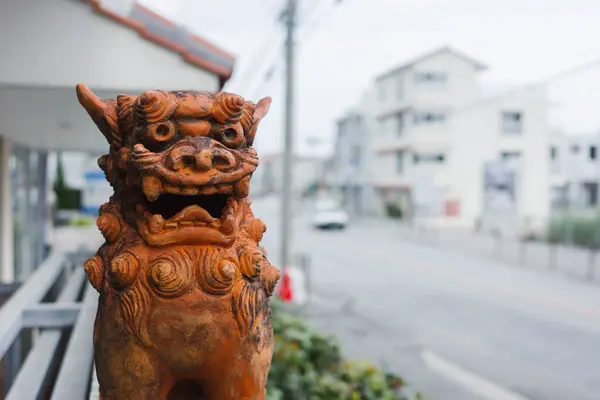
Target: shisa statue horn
(103, 113)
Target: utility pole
(288, 155)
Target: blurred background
(434, 204)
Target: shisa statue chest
(183, 282)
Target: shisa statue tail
(184, 284)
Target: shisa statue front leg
(183, 282)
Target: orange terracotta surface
(183, 281)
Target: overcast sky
(342, 47)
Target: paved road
(455, 326)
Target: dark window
(510, 155)
(400, 87)
(431, 77)
(575, 149)
(593, 153)
(591, 191)
(428, 158)
(382, 91)
(512, 122)
(429, 117)
(400, 124)
(355, 156)
(553, 153)
(400, 162)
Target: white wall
(461, 88)
(63, 42)
(401, 88)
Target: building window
(593, 153)
(382, 91)
(437, 158)
(341, 129)
(381, 126)
(400, 162)
(431, 77)
(575, 149)
(355, 160)
(510, 155)
(512, 122)
(400, 87)
(400, 124)
(553, 153)
(429, 117)
(591, 193)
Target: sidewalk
(572, 262)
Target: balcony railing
(59, 306)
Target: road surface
(457, 327)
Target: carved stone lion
(184, 285)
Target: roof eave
(223, 72)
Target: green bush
(66, 197)
(579, 231)
(394, 211)
(82, 221)
(310, 366)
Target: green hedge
(394, 211)
(66, 197)
(309, 366)
(579, 231)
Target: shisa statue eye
(233, 136)
(161, 132)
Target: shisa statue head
(180, 162)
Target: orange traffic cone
(285, 289)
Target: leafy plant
(394, 211)
(581, 231)
(82, 221)
(66, 197)
(310, 366)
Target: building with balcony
(429, 132)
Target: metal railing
(60, 306)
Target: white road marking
(476, 384)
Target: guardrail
(575, 262)
(58, 303)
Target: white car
(328, 214)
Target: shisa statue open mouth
(184, 169)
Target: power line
(254, 64)
(270, 72)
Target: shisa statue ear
(103, 113)
(262, 107)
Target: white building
(575, 169)
(431, 134)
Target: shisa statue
(184, 285)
